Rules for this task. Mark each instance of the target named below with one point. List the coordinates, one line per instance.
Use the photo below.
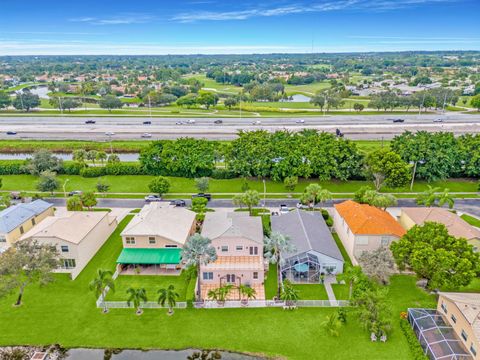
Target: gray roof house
(315, 252)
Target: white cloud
(124, 19)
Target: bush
(72, 168)
(124, 169)
(329, 222)
(412, 341)
(91, 172)
(221, 174)
(325, 214)
(15, 167)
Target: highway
(362, 127)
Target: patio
(234, 294)
(149, 270)
(437, 338)
(302, 269)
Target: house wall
(242, 277)
(329, 261)
(461, 324)
(142, 241)
(233, 242)
(405, 221)
(345, 235)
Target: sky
(147, 27)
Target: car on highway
(146, 135)
(178, 203)
(11, 133)
(179, 123)
(202, 195)
(300, 121)
(152, 198)
(191, 121)
(438, 120)
(256, 122)
(218, 121)
(109, 133)
(75, 192)
(148, 122)
(90, 122)
(398, 120)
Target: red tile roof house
(362, 227)
(238, 240)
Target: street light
(414, 163)
(64, 187)
(264, 193)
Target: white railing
(208, 304)
(147, 305)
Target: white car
(284, 209)
(300, 121)
(109, 133)
(256, 122)
(191, 121)
(150, 198)
(146, 135)
(438, 120)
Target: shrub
(15, 167)
(329, 222)
(412, 341)
(72, 168)
(221, 174)
(325, 214)
(124, 169)
(91, 172)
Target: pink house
(238, 240)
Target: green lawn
(271, 282)
(471, 220)
(311, 291)
(344, 253)
(341, 291)
(150, 283)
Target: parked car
(178, 203)
(11, 133)
(300, 121)
(218, 121)
(150, 198)
(284, 209)
(302, 206)
(438, 120)
(148, 122)
(398, 120)
(90, 122)
(191, 121)
(146, 135)
(75, 192)
(202, 195)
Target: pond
(64, 156)
(41, 91)
(297, 98)
(100, 354)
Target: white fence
(270, 303)
(147, 305)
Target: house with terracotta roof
(362, 227)
(238, 241)
(456, 226)
(462, 312)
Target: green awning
(150, 256)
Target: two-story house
(238, 241)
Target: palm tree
(247, 293)
(428, 197)
(274, 246)
(136, 297)
(100, 284)
(332, 324)
(101, 156)
(198, 250)
(79, 155)
(446, 197)
(168, 296)
(351, 275)
(314, 194)
(289, 294)
(250, 198)
(92, 155)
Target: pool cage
(437, 338)
(302, 268)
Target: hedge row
(112, 169)
(412, 340)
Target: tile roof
(233, 224)
(455, 225)
(157, 219)
(469, 306)
(13, 216)
(307, 231)
(363, 219)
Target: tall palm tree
(314, 194)
(250, 198)
(136, 296)
(428, 197)
(100, 284)
(275, 246)
(351, 275)
(168, 296)
(101, 156)
(198, 250)
(247, 293)
(446, 198)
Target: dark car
(202, 195)
(75, 192)
(338, 133)
(11, 133)
(147, 123)
(90, 122)
(218, 121)
(178, 202)
(398, 120)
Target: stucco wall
(15, 234)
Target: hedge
(124, 169)
(93, 171)
(222, 174)
(412, 341)
(12, 167)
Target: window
(255, 275)
(385, 240)
(464, 335)
(69, 263)
(239, 248)
(253, 250)
(152, 240)
(171, 246)
(224, 248)
(130, 240)
(473, 350)
(454, 319)
(33, 221)
(230, 278)
(444, 308)
(362, 240)
(208, 276)
(64, 248)
(21, 230)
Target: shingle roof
(469, 306)
(233, 224)
(455, 225)
(307, 231)
(156, 219)
(13, 216)
(363, 219)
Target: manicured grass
(474, 286)
(150, 283)
(340, 246)
(471, 220)
(61, 146)
(271, 282)
(340, 291)
(311, 291)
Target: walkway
(329, 280)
